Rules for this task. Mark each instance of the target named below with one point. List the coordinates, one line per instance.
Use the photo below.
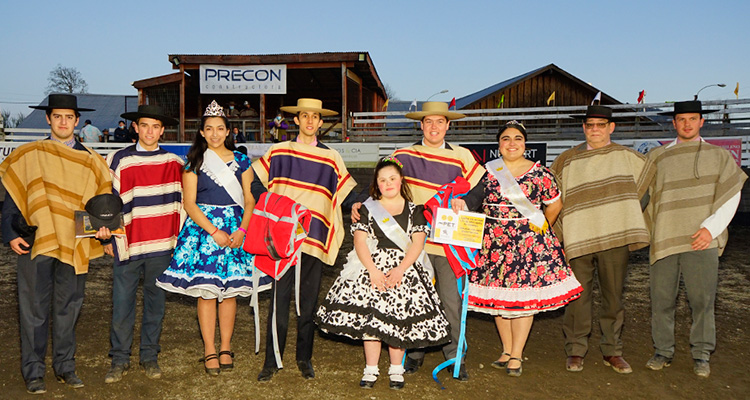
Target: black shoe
(396, 385)
(306, 368)
(210, 371)
(515, 372)
(226, 367)
(36, 386)
(412, 365)
(267, 373)
(463, 376)
(70, 379)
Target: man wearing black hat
(148, 178)
(694, 197)
(47, 181)
(603, 185)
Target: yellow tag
(499, 169)
(386, 219)
(300, 230)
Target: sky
(669, 48)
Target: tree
(10, 121)
(66, 80)
(390, 93)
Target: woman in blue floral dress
(521, 269)
(208, 261)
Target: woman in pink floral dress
(521, 269)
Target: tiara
(394, 160)
(514, 122)
(214, 110)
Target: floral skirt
(202, 268)
(408, 316)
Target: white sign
(225, 79)
(462, 229)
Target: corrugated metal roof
(108, 109)
(466, 100)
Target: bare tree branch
(66, 80)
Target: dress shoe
(210, 371)
(116, 372)
(412, 365)
(574, 364)
(306, 368)
(151, 368)
(658, 362)
(514, 372)
(369, 377)
(618, 364)
(267, 373)
(463, 376)
(70, 379)
(701, 368)
(226, 367)
(500, 364)
(396, 376)
(36, 386)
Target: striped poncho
(150, 185)
(693, 180)
(49, 181)
(426, 169)
(317, 178)
(601, 191)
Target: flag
(452, 104)
(385, 105)
(737, 90)
(641, 95)
(502, 101)
(597, 98)
(551, 98)
(413, 104)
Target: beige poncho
(693, 180)
(601, 191)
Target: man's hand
(103, 233)
(16, 244)
(108, 250)
(702, 239)
(355, 212)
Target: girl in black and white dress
(385, 292)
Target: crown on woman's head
(214, 110)
(394, 160)
(516, 123)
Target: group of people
(549, 232)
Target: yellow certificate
(462, 229)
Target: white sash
(513, 192)
(215, 166)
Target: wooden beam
(181, 132)
(262, 117)
(344, 117)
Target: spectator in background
(105, 135)
(90, 133)
(232, 112)
(121, 133)
(237, 135)
(133, 132)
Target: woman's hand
(221, 238)
(377, 279)
(393, 277)
(458, 205)
(236, 239)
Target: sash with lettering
(393, 231)
(317, 178)
(513, 192)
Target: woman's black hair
(389, 162)
(195, 154)
(511, 124)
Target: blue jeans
(124, 288)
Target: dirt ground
(339, 363)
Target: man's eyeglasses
(591, 125)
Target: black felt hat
(687, 107)
(104, 210)
(595, 112)
(63, 102)
(150, 111)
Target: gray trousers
(447, 289)
(611, 267)
(699, 270)
(42, 281)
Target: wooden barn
(344, 81)
(534, 89)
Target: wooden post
(181, 132)
(344, 117)
(262, 117)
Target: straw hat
(313, 105)
(435, 108)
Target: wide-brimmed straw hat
(62, 102)
(434, 108)
(687, 107)
(150, 111)
(310, 105)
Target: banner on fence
(485, 152)
(732, 144)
